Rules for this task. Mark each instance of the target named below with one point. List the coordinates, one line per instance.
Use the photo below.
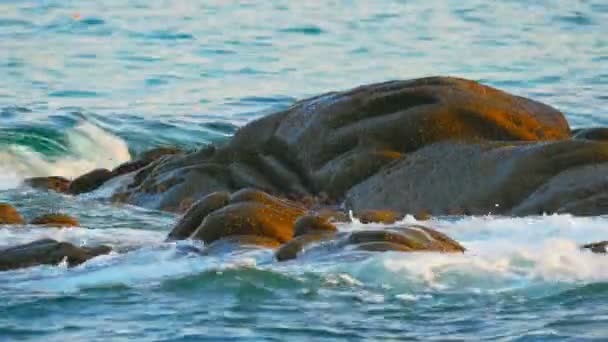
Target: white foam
(89, 147)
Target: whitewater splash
(88, 147)
(504, 255)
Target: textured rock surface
(47, 252)
(483, 178)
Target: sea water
(91, 84)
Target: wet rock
(595, 133)
(597, 247)
(378, 216)
(145, 159)
(9, 215)
(240, 242)
(54, 183)
(47, 252)
(490, 177)
(412, 238)
(56, 220)
(330, 143)
(254, 214)
(89, 181)
(193, 218)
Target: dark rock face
(411, 238)
(328, 144)
(490, 177)
(597, 247)
(47, 252)
(145, 159)
(9, 215)
(56, 220)
(89, 181)
(596, 133)
(55, 183)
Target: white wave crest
(89, 147)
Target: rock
(9, 215)
(56, 220)
(597, 247)
(197, 212)
(240, 242)
(145, 159)
(308, 224)
(378, 216)
(412, 238)
(291, 249)
(324, 146)
(55, 183)
(596, 133)
(253, 214)
(89, 181)
(489, 177)
(47, 252)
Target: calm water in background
(88, 84)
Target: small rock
(89, 181)
(56, 220)
(597, 247)
(47, 252)
(55, 183)
(197, 212)
(9, 215)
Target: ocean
(92, 84)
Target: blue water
(91, 84)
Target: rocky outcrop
(9, 215)
(56, 220)
(322, 147)
(430, 146)
(47, 252)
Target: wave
(86, 147)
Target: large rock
(413, 238)
(9, 215)
(47, 252)
(491, 177)
(323, 146)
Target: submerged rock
(56, 220)
(412, 238)
(47, 252)
(89, 181)
(9, 215)
(54, 183)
